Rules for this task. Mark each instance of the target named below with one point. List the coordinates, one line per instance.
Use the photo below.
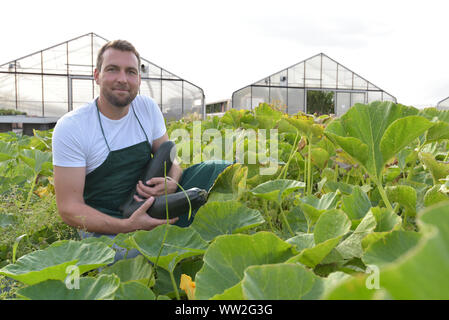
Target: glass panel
(320, 102)
(263, 82)
(7, 91)
(357, 97)
(344, 78)
(241, 99)
(29, 94)
(30, 64)
(152, 89)
(372, 86)
(313, 72)
(278, 97)
(387, 97)
(343, 102)
(193, 98)
(80, 56)
(56, 101)
(55, 59)
(279, 79)
(359, 83)
(150, 70)
(172, 100)
(295, 100)
(97, 44)
(374, 96)
(81, 92)
(296, 75)
(168, 75)
(329, 74)
(260, 95)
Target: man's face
(119, 77)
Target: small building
(316, 85)
(56, 80)
(219, 106)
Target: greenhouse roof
(443, 104)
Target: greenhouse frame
(443, 104)
(56, 80)
(304, 86)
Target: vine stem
(309, 166)
(383, 194)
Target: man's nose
(121, 77)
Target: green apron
(109, 185)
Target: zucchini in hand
(177, 203)
(155, 168)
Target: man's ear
(96, 75)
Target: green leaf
(228, 217)
(391, 247)
(276, 190)
(7, 220)
(228, 256)
(135, 269)
(36, 159)
(351, 247)
(179, 244)
(277, 282)
(438, 169)
(302, 241)
(320, 157)
(400, 133)
(311, 257)
(134, 291)
(101, 288)
(434, 196)
(371, 134)
(229, 183)
(331, 224)
(51, 263)
(405, 196)
(357, 204)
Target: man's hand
(156, 187)
(140, 220)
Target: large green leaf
(404, 195)
(228, 256)
(276, 190)
(285, 281)
(101, 288)
(357, 204)
(7, 220)
(136, 269)
(391, 247)
(134, 291)
(180, 243)
(438, 169)
(36, 159)
(331, 224)
(372, 134)
(7, 151)
(229, 184)
(228, 217)
(266, 116)
(51, 263)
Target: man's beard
(119, 102)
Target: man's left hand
(156, 187)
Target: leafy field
(357, 208)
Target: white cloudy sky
(222, 46)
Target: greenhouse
(443, 104)
(53, 81)
(316, 85)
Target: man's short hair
(121, 45)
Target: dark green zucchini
(155, 168)
(177, 204)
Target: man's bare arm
(69, 187)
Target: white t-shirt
(78, 140)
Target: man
(100, 149)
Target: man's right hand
(140, 220)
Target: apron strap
(101, 126)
